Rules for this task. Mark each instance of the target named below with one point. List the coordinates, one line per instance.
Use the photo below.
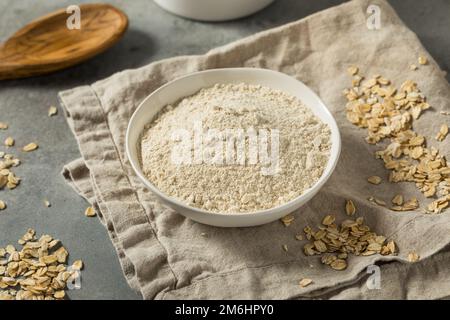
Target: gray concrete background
(153, 35)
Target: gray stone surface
(153, 35)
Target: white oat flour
(206, 177)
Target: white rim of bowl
(315, 187)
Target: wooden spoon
(46, 44)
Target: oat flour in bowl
(235, 148)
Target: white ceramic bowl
(213, 10)
(190, 84)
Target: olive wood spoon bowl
(47, 44)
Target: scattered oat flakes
(89, 212)
(13, 181)
(374, 180)
(285, 247)
(320, 246)
(3, 126)
(409, 205)
(383, 81)
(389, 248)
(30, 147)
(445, 113)
(343, 255)
(47, 203)
(438, 205)
(9, 142)
(416, 152)
(413, 257)
(52, 111)
(59, 294)
(356, 81)
(2, 205)
(335, 242)
(339, 264)
(413, 67)
(350, 208)
(423, 60)
(305, 282)
(388, 112)
(10, 249)
(299, 237)
(35, 272)
(287, 220)
(77, 265)
(443, 131)
(370, 83)
(352, 70)
(7, 177)
(61, 255)
(397, 200)
(379, 202)
(328, 220)
(430, 191)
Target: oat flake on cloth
(164, 256)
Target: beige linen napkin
(165, 256)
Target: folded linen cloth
(165, 256)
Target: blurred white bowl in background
(213, 10)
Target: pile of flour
(212, 183)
